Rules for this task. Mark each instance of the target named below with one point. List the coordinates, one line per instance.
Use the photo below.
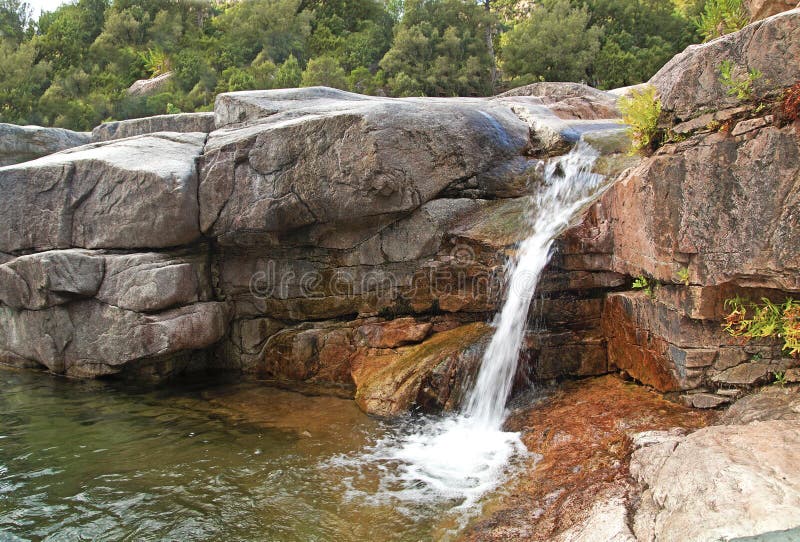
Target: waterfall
(463, 457)
(569, 185)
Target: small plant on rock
(765, 320)
(641, 111)
(683, 275)
(740, 86)
(646, 285)
(721, 17)
(780, 379)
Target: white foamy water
(462, 457)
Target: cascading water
(569, 183)
(464, 456)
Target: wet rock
(135, 193)
(712, 465)
(578, 485)
(750, 374)
(394, 333)
(657, 345)
(23, 143)
(390, 383)
(689, 84)
(181, 122)
(706, 400)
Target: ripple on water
(239, 462)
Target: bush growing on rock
(641, 111)
(721, 17)
(766, 320)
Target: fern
(721, 17)
(641, 111)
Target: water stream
(463, 457)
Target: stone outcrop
(23, 143)
(181, 122)
(719, 483)
(705, 219)
(690, 85)
(147, 87)
(326, 237)
(761, 9)
(134, 193)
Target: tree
(274, 26)
(324, 71)
(556, 43)
(21, 82)
(639, 36)
(15, 20)
(440, 48)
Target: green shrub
(740, 86)
(766, 320)
(721, 17)
(649, 287)
(641, 111)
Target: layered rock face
(93, 281)
(314, 236)
(330, 206)
(708, 218)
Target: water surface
(99, 461)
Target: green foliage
(721, 17)
(739, 85)
(72, 67)
(440, 49)
(780, 378)
(563, 40)
(638, 37)
(15, 19)
(649, 287)
(641, 111)
(683, 275)
(173, 109)
(156, 61)
(324, 71)
(765, 320)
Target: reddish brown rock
(390, 382)
(394, 333)
(761, 9)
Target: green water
(96, 461)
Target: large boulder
(689, 84)
(88, 338)
(181, 122)
(23, 143)
(134, 193)
(91, 313)
(719, 483)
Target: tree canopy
(72, 67)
